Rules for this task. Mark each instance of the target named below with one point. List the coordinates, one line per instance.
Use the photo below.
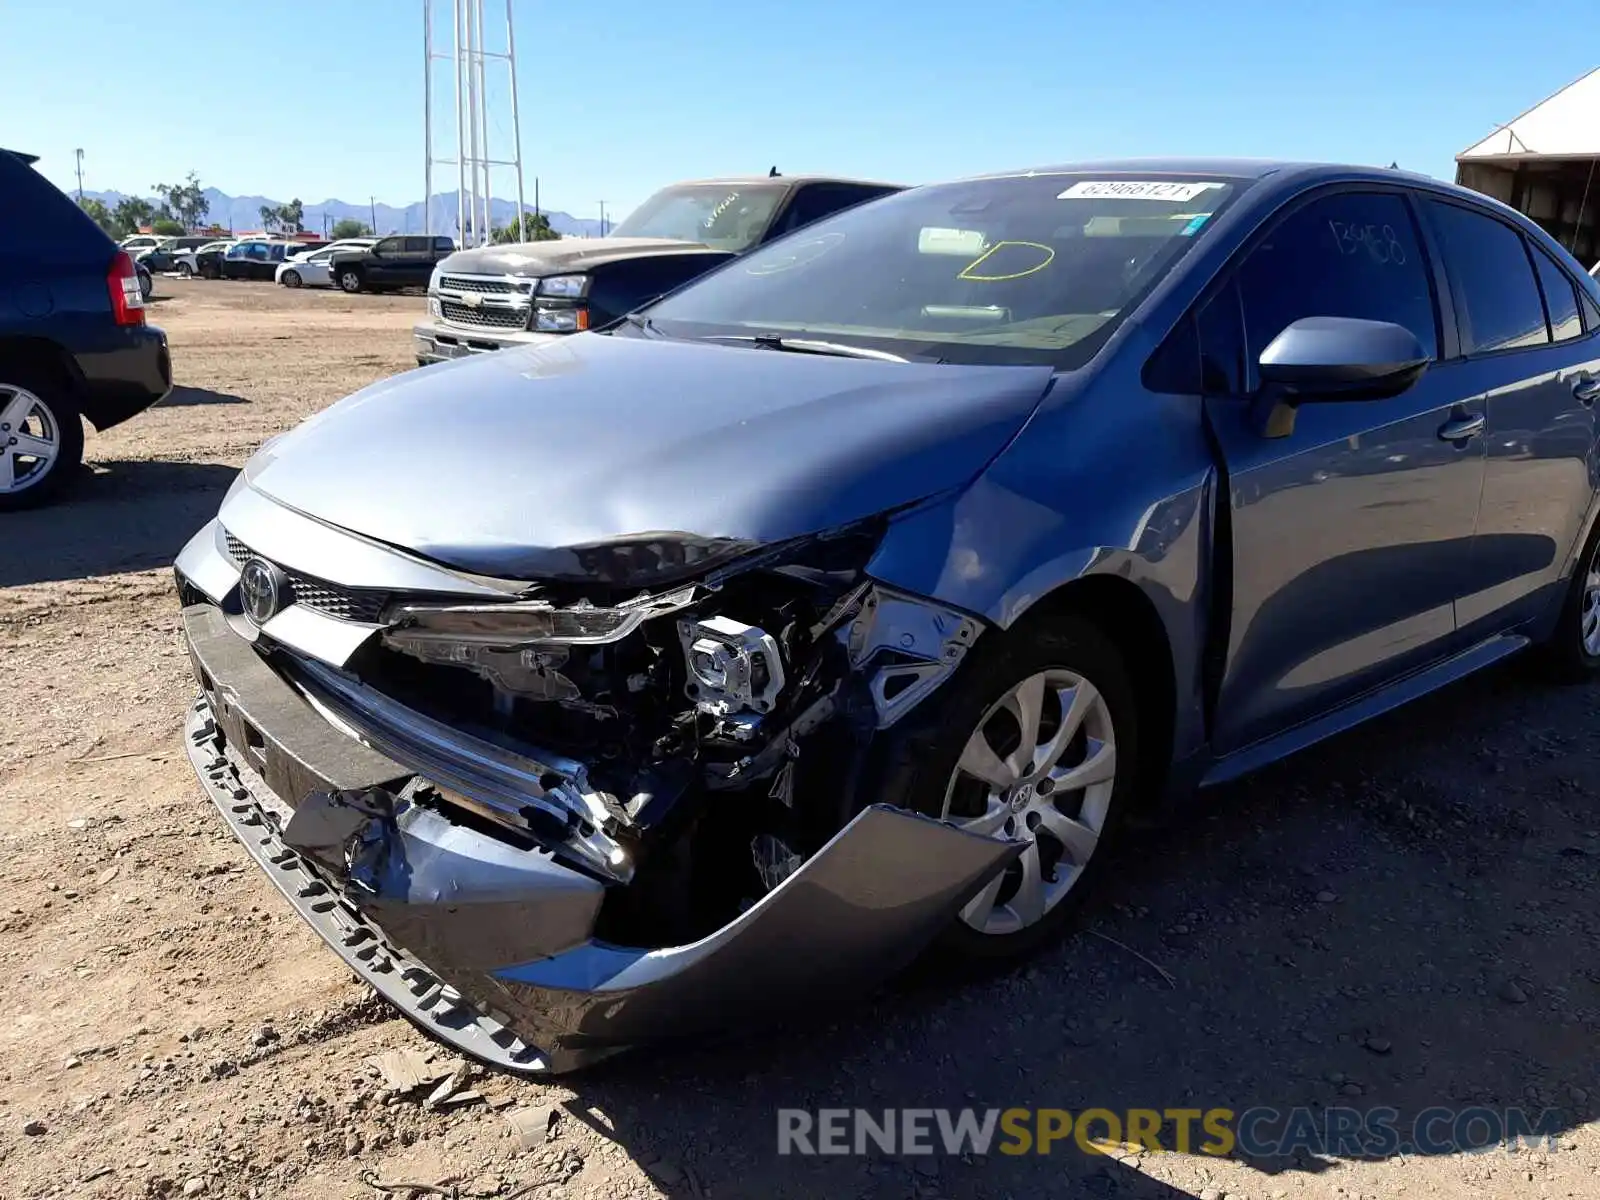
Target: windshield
(728, 216)
(1032, 269)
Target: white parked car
(188, 263)
(311, 268)
(140, 242)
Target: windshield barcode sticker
(1135, 189)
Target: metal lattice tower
(469, 146)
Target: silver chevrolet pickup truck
(523, 293)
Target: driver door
(381, 258)
(1352, 535)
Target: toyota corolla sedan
(852, 599)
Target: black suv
(392, 264)
(73, 338)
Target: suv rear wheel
(41, 436)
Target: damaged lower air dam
(855, 913)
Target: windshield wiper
(771, 341)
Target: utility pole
(372, 201)
(79, 154)
(602, 218)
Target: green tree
(533, 227)
(292, 216)
(185, 202)
(99, 214)
(349, 227)
(131, 212)
(269, 216)
(167, 227)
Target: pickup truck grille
(482, 283)
(345, 604)
(484, 318)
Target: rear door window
(1560, 298)
(1497, 299)
(1349, 254)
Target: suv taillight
(122, 281)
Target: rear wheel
(1036, 742)
(185, 271)
(291, 279)
(350, 280)
(146, 284)
(41, 436)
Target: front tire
(147, 285)
(185, 271)
(41, 436)
(1572, 652)
(1035, 740)
(291, 279)
(350, 281)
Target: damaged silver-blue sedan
(852, 598)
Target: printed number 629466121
(1379, 242)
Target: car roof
(1222, 168)
(780, 180)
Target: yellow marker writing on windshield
(968, 274)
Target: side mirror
(1341, 358)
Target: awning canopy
(1565, 126)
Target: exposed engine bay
(701, 734)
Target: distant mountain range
(244, 212)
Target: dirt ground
(1406, 917)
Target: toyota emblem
(261, 590)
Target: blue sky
(323, 98)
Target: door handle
(1587, 389)
(1459, 429)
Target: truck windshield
(728, 216)
(1036, 269)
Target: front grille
(480, 283)
(331, 599)
(484, 318)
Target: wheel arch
(42, 352)
(1122, 610)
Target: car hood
(498, 464)
(566, 254)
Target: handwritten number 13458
(1379, 241)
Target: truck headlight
(433, 281)
(568, 287)
(560, 320)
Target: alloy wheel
(1039, 768)
(30, 438)
(1590, 627)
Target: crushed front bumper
(489, 946)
